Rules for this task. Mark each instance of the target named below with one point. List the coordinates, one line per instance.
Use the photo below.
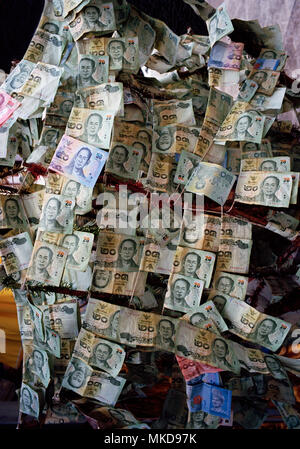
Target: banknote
(226, 56)
(95, 17)
(124, 160)
(204, 346)
(210, 399)
(47, 263)
(140, 328)
(12, 214)
(42, 83)
(57, 214)
(29, 401)
(265, 79)
(118, 282)
(92, 70)
(91, 127)
(62, 104)
(63, 319)
(138, 26)
(66, 350)
(218, 107)
(186, 164)
(264, 188)
(270, 103)
(243, 123)
(251, 150)
(252, 325)
(161, 173)
(234, 255)
(173, 112)
(250, 359)
(266, 64)
(79, 246)
(247, 90)
(175, 139)
(99, 353)
(45, 149)
(16, 252)
(289, 414)
(33, 205)
(9, 148)
(283, 220)
(206, 316)
(122, 53)
(60, 185)
(104, 97)
(268, 53)
(191, 369)
(261, 386)
(8, 105)
(166, 41)
(17, 77)
(135, 136)
(201, 44)
(78, 161)
(277, 164)
(211, 180)
(224, 80)
(194, 263)
(36, 371)
(63, 414)
(232, 226)
(157, 259)
(119, 251)
(98, 385)
(102, 319)
(184, 293)
(203, 420)
(201, 232)
(230, 284)
(219, 24)
(45, 47)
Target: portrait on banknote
(29, 401)
(183, 293)
(79, 246)
(165, 337)
(76, 376)
(104, 355)
(78, 161)
(186, 165)
(92, 70)
(124, 161)
(47, 263)
(57, 214)
(231, 284)
(219, 25)
(36, 362)
(12, 213)
(96, 126)
(201, 420)
(194, 263)
(163, 139)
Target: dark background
(19, 19)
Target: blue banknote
(210, 399)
